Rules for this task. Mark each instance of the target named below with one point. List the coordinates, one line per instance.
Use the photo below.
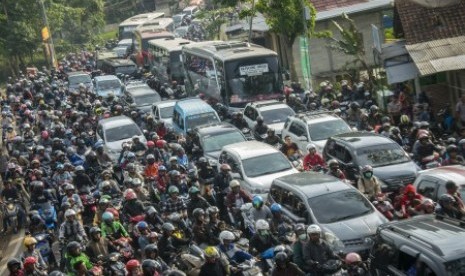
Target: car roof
(215, 128)
(316, 117)
(359, 139)
(455, 173)
(250, 149)
(443, 236)
(312, 184)
(140, 90)
(106, 77)
(165, 103)
(125, 41)
(77, 73)
(274, 107)
(115, 121)
(194, 106)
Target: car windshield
(122, 132)
(110, 85)
(338, 206)
(194, 121)
(215, 142)
(455, 267)
(147, 99)
(324, 130)
(166, 112)
(266, 164)
(382, 155)
(274, 116)
(177, 18)
(79, 79)
(130, 69)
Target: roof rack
(456, 222)
(408, 235)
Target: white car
(274, 114)
(115, 131)
(256, 165)
(163, 111)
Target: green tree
(214, 19)
(286, 19)
(351, 43)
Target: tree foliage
(214, 19)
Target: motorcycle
(48, 213)
(113, 265)
(249, 268)
(248, 134)
(384, 206)
(431, 161)
(45, 248)
(11, 210)
(125, 249)
(90, 207)
(191, 261)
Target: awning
(438, 55)
(401, 73)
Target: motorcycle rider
(424, 147)
(112, 229)
(239, 121)
(260, 211)
(174, 204)
(31, 251)
(98, 245)
(279, 224)
(199, 227)
(449, 207)
(259, 129)
(236, 198)
(71, 229)
(272, 138)
(284, 267)
(229, 249)
(368, 184)
(262, 240)
(334, 170)
(72, 198)
(452, 158)
(298, 247)
(168, 243)
(10, 192)
(354, 265)
(316, 251)
(141, 192)
(81, 180)
(214, 265)
(137, 145)
(313, 159)
(196, 201)
(452, 189)
(151, 253)
(132, 206)
(409, 200)
(221, 185)
(290, 149)
(14, 267)
(31, 267)
(75, 257)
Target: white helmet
(311, 146)
(313, 229)
(226, 235)
(262, 224)
(234, 183)
(70, 212)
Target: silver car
(115, 131)
(256, 165)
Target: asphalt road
(10, 247)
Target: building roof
(421, 24)
(329, 10)
(324, 5)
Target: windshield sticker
(254, 70)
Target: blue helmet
(141, 225)
(257, 201)
(276, 208)
(107, 217)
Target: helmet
(69, 187)
(446, 199)
(225, 167)
(333, 163)
(354, 105)
(131, 155)
(367, 168)
(73, 246)
(311, 146)
(130, 166)
(105, 184)
(280, 257)
(160, 144)
(131, 264)
(198, 212)
(162, 168)
(276, 208)
(136, 182)
(29, 241)
(94, 230)
(423, 136)
(262, 224)
(173, 189)
(141, 225)
(257, 201)
(451, 148)
(226, 235)
(234, 183)
(313, 229)
(211, 252)
(194, 190)
(44, 134)
(13, 262)
(79, 169)
(150, 267)
(424, 124)
(385, 119)
(374, 108)
(167, 227)
(70, 212)
(451, 140)
(212, 210)
(352, 258)
(404, 119)
(130, 195)
(107, 216)
(150, 156)
(299, 227)
(259, 119)
(150, 144)
(202, 160)
(150, 248)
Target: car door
(428, 187)
(250, 116)
(297, 132)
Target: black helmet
(73, 246)
(13, 262)
(354, 105)
(259, 119)
(197, 213)
(150, 248)
(446, 199)
(149, 267)
(94, 230)
(452, 148)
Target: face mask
(368, 175)
(263, 233)
(303, 237)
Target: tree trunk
(290, 58)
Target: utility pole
(47, 40)
(306, 17)
(251, 21)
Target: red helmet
(44, 134)
(352, 258)
(161, 144)
(131, 264)
(130, 195)
(150, 144)
(114, 212)
(30, 261)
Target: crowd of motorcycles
(159, 209)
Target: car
(432, 183)
(430, 243)
(191, 11)
(181, 31)
(339, 208)
(114, 131)
(163, 111)
(190, 113)
(314, 127)
(142, 95)
(103, 85)
(76, 78)
(115, 66)
(210, 139)
(274, 114)
(122, 47)
(255, 165)
(391, 164)
(179, 19)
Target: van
(191, 113)
(191, 11)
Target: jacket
(231, 198)
(115, 230)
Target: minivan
(191, 113)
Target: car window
(428, 188)
(339, 152)
(323, 130)
(278, 194)
(383, 253)
(100, 131)
(217, 141)
(382, 155)
(275, 162)
(297, 129)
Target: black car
(391, 164)
(141, 95)
(424, 245)
(210, 139)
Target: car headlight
(259, 191)
(368, 240)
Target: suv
(255, 165)
(391, 164)
(76, 78)
(103, 85)
(315, 198)
(274, 114)
(432, 183)
(434, 245)
(314, 127)
(142, 95)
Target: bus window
(202, 72)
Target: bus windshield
(252, 79)
(125, 32)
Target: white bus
(166, 63)
(166, 24)
(129, 25)
(232, 73)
